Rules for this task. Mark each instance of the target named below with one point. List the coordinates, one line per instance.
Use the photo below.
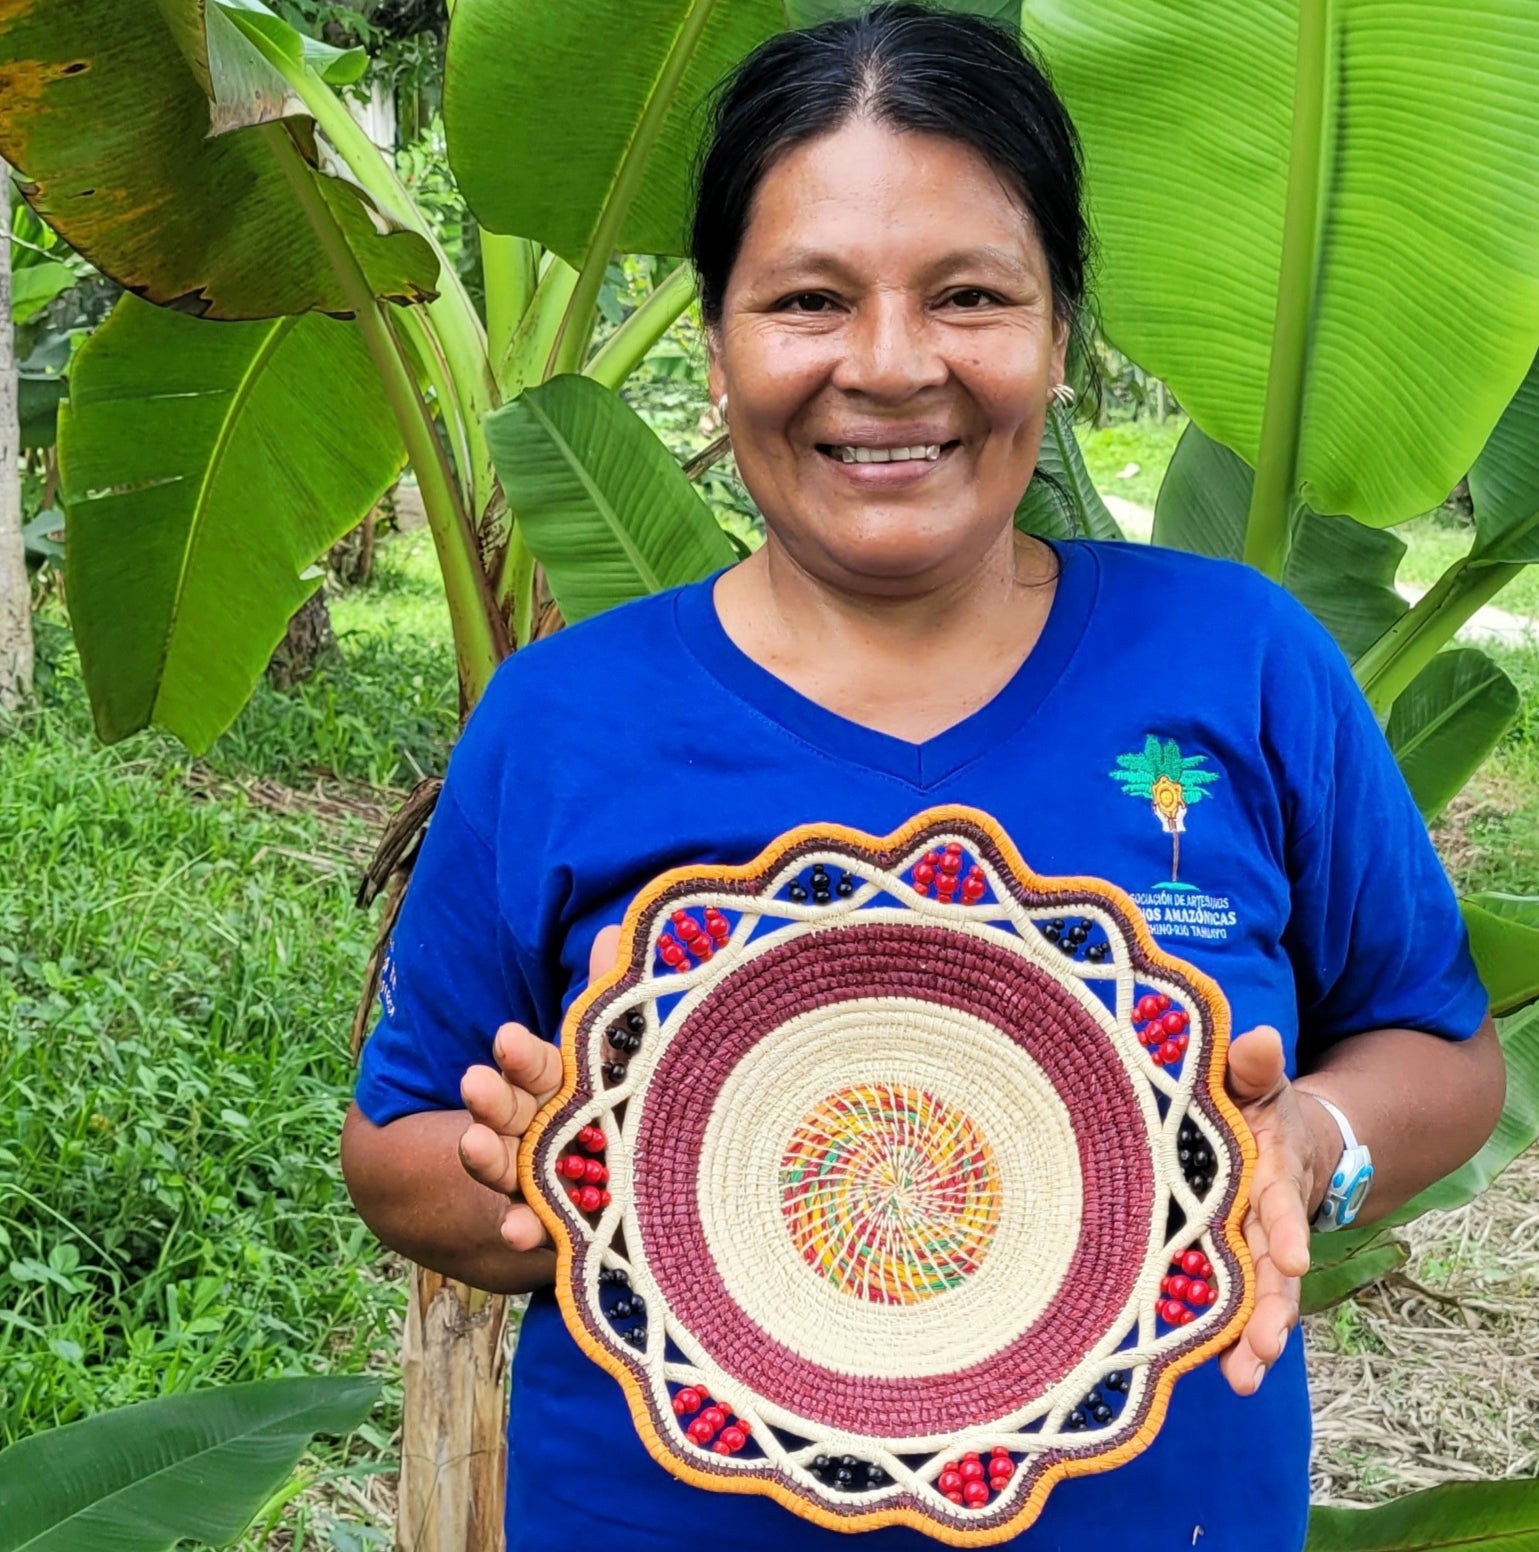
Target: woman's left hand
(1281, 1199)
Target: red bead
(975, 1494)
(1186, 1316)
(951, 863)
(688, 928)
(718, 926)
(974, 889)
(921, 889)
(595, 1172)
(1212, 1297)
(590, 1199)
(1177, 1287)
(699, 1432)
(1175, 1021)
(1170, 1052)
(715, 1416)
(932, 857)
(953, 848)
(1182, 1041)
(1168, 1311)
(742, 1426)
(924, 872)
(955, 1495)
(1001, 1471)
(687, 1399)
(720, 1449)
(605, 1199)
(1195, 1264)
(1148, 1008)
(1163, 1001)
(950, 1480)
(669, 951)
(734, 1438)
(976, 870)
(1197, 1292)
(972, 1470)
(1157, 1057)
(999, 1452)
(680, 1405)
(592, 1138)
(972, 1455)
(679, 918)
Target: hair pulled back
(913, 69)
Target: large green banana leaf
(1425, 306)
(1340, 570)
(1446, 721)
(575, 123)
(1457, 1517)
(1504, 484)
(1334, 1275)
(1061, 502)
(599, 500)
(106, 110)
(1504, 938)
(204, 469)
(191, 1467)
(807, 13)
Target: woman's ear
(715, 377)
(1060, 349)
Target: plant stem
(480, 634)
(1272, 496)
(626, 348)
(1394, 660)
(576, 329)
(520, 364)
(510, 267)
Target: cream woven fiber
(963, 1062)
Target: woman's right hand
(504, 1099)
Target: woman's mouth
(846, 453)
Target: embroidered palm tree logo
(1171, 781)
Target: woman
(891, 253)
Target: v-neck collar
(925, 764)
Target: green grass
(1112, 452)
(177, 980)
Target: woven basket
(893, 1180)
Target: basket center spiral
(889, 1193)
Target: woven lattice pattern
(889, 1193)
(905, 1156)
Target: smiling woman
(892, 255)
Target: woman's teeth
(886, 454)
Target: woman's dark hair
(913, 69)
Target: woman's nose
(888, 350)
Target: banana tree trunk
(15, 590)
(453, 1434)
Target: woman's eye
(806, 302)
(970, 297)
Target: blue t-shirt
(1304, 883)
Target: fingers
(1274, 1316)
(522, 1230)
(1256, 1064)
(489, 1158)
(527, 1062)
(605, 950)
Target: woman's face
(887, 343)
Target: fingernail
(1260, 1375)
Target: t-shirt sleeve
(1375, 933)
(451, 975)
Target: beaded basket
(893, 1180)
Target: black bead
(1050, 932)
(820, 877)
(875, 1476)
(844, 1476)
(1078, 934)
(820, 1465)
(1102, 1413)
(1185, 1156)
(636, 1021)
(1093, 1400)
(614, 1277)
(1076, 1419)
(821, 896)
(848, 1462)
(846, 887)
(614, 1071)
(797, 892)
(638, 1304)
(1116, 1382)
(1057, 924)
(637, 1337)
(1097, 952)
(621, 1310)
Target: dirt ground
(1433, 1374)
